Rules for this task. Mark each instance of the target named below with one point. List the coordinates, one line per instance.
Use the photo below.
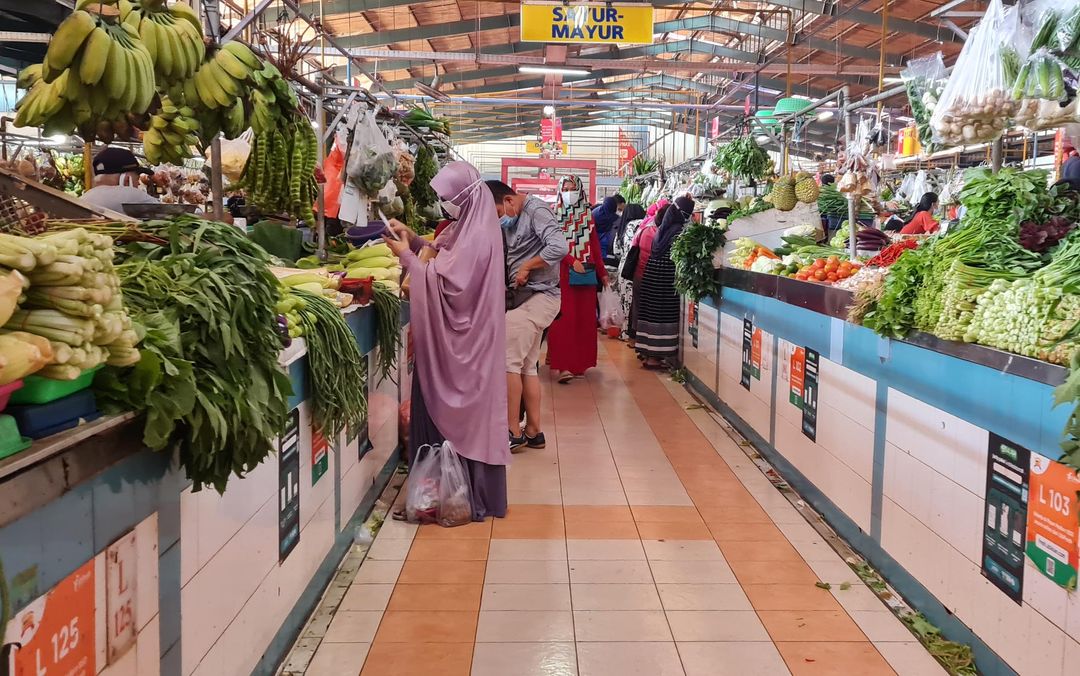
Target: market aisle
(641, 541)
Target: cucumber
(1047, 31)
(1057, 83)
(1044, 78)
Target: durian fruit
(783, 193)
(806, 188)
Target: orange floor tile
(630, 547)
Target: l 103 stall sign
(587, 22)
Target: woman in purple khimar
(459, 336)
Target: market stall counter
(104, 539)
(935, 460)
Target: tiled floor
(642, 541)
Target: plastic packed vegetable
(976, 104)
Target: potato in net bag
(976, 104)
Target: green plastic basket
(765, 116)
(11, 441)
(789, 105)
(38, 390)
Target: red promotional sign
(56, 632)
(550, 130)
(627, 153)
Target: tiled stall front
(133, 572)
(892, 444)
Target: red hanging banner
(627, 153)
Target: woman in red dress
(572, 337)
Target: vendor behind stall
(116, 181)
(922, 221)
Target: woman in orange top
(922, 221)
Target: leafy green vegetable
(692, 253)
(756, 207)
(426, 167)
(743, 158)
(209, 381)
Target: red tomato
(832, 276)
(834, 259)
(820, 275)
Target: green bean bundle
(387, 328)
(338, 372)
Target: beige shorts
(525, 327)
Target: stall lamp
(550, 70)
(762, 139)
(549, 111)
(893, 80)
(58, 139)
(826, 115)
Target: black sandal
(399, 515)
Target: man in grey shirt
(535, 245)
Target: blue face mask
(507, 222)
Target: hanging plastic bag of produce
(924, 80)
(611, 312)
(422, 497)
(455, 495)
(335, 163)
(1045, 82)
(976, 104)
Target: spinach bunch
(692, 253)
(743, 158)
(209, 381)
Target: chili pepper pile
(889, 254)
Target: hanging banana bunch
(94, 70)
(171, 134)
(172, 34)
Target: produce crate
(6, 391)
(26, 205)
(38, 390)
(11, 441)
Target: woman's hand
(398, 246)
(403, 231)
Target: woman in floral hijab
(572, 337)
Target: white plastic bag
(422, 498)
(455, 495)
(977, 102)
(611, 312)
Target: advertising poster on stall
(810, 394)
(1006, 516)
(1052, 524)
(56, 633)
(747, 352)
(755, 354)
(798, 371)
(320, 455)
(289, 487)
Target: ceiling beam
(870, 19)
(438, 30)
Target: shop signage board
(289, 487)
(550, 130)
(56, 633)
(755, 354)
(120, 584)
(747, 352)
(572, 22)
(1006, 516)
(797, 371)
(1052, 542)
(535, 147)
(810, 394)
(320, 455)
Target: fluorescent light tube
(552, 70)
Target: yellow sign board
(534, 148)
(586, 22)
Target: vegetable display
(892, 252)
(209, 380)
(338, 372)
(418, 118)
(387, 327)
(692, 254)
(744, 159)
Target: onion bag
(976, 104)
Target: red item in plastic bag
(404, 418)
(333, 168)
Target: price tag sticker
(55, 634)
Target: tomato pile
(827, 270)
